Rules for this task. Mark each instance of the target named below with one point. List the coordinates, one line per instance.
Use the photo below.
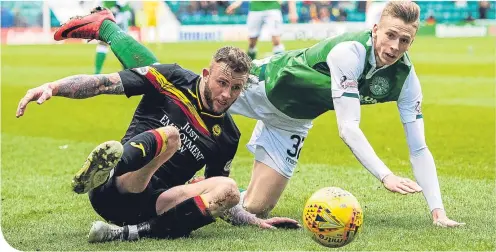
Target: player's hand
(400, 185)
(278, 222)
(39, 94)
(293, 18)
(441, 220)
(230, 10)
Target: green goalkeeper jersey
(301, 83)
(264, 5)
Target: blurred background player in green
(266, 13)
(122, 14)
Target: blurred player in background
(373, 11)
(150, 9)
(266, 13)
(122, 14)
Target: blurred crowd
(310, 11)
(327, 11)
(322, 11)
(205, 7)
(28, 13)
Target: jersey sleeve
(155, 78)
(134, 82)
(346, 62)
(410, 99)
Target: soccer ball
(333, 216)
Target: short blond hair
(407, 11)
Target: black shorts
(129, 208)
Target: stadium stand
(29, 13)
(24, 14)
(213, 12)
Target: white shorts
(271, 18)
(122, 20)
(373, 14)
(280, 136)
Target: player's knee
(260, 209)
(230, 191)
(172, 137)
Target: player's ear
(205, 73)
(374, 31)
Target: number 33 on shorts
(294, 151)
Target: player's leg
(276, 156)
(277, 45)
(97, 166)
(122, 20)
(143, 155)
(254, 21)
(264, 190)
(275, 26)
(185, 208)
(100, 25)
(101, 53)
(136, 161)
(180, 210)
(151, 25)
(252, 47)
(128, 51)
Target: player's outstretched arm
(424, 169)
(348, 117)
(238, 216)
(232, 8)
(346, 64)
(292, 11)
(75, 87)
(423, 165)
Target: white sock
(152, 33)
(278, 48)
(102, 48)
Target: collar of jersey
(372, 60)
(198, 100)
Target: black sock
(179, 221)
(140, 150)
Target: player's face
(392, 38)
(222, 87)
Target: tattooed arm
(85, 86)
(75, 87)
(238, 216)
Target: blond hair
(407, 11)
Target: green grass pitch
(42, 150)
